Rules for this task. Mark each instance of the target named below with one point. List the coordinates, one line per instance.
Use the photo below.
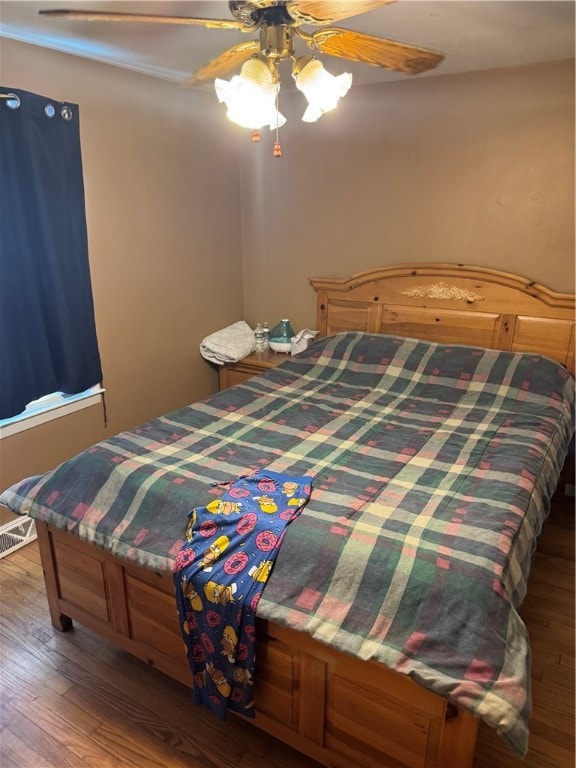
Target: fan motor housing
(277, 41)
(244, 12)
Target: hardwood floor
(72, 700)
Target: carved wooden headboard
(451, 303)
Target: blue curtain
(48, 337)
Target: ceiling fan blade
(231, 59)
(147, 19)
(329, 11)
(374, 50)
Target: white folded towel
(229, 345)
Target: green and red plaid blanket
(433, 466)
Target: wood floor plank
(70, 726)
(555, 700)
(541, 637)
(29, 572)
(547, 717)
(192, 734)
(15, 753)
(52, 751)
(24, 670)
(118, 737)
(547, 747)
(136, 749)
(554, 570)
(150, 738)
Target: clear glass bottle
(266, 337)
(259, 337)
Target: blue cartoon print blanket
(219, 575)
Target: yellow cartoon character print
(192, 596)
(296, 502)
(266, 504)
(200, 679)
(262, 571)
(219, 593)
(219, 679)
(223, 507)
(214, 551)
(242, 675)
(229, 641)
(289, 488)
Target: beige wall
(472, 168)
(475, 168)
(163, 213)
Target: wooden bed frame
(343, 712)
(451, 304)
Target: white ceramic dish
(279, 346)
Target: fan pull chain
(277, 147)
(255, 135)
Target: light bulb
(251, 96)
(322, 90)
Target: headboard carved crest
(442, 291)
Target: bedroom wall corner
(474, 168)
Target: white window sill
(53, 407)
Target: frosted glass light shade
(322, 90)
(251, 96)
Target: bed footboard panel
(339, 710)
(130, 606)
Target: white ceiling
(473, 34)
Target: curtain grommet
(49, 110)
(66, 112)
(12, 100)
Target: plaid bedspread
(433, 466)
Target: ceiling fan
(279, 24)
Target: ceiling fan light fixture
(251, 96)
(259, 71)
(322, 90)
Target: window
(48, 340)
(48, 408)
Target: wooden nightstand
(252, 365)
